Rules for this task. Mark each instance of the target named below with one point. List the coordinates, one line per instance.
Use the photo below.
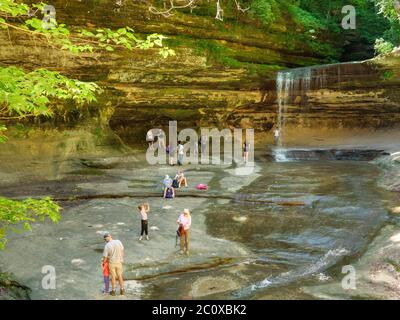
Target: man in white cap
(114, 255)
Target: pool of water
(264, 236)
(291, 246)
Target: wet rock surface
(11, 289)
(328, 154)
(74, 246)
(377, 272)
(390, 172)
(252, 234)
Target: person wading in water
(276, 136)
(185, 222)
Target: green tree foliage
(46, 93)
(12, 8)
(15, 214)
(387, 9)
(312, 19)
(266, 10)
(3, 138)
(75, 41)
(36, 93)
(383, 47)
(391, 37)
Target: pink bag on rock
(202, 186)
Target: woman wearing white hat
(185, 221)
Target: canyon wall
(354, 104)
(223, 74)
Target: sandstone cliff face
(224, 74)
(331, 104)
(197, 87)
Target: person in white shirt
(114, 255)
(185, 222)
(181, 152)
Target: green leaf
(15, 214)
(27, 226)
(122, 31)
(87, 33)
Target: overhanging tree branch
(238, 6)
(167, 12)
(169, 9)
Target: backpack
(179, 233)
(169, 193)
(201, 186)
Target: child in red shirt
(106, 277)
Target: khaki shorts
(115, 269)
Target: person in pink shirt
(144, 209)
(185, 221)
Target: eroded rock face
(332, 104)
(144, 91)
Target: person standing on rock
(181, 152)
(185, 222)
(246, 147)
(203, 142)
(114, 255)
(161, 139)
(144, 209)
(106, 277)
(276, 136)
(150, 139)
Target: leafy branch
(168, 11)
(29, 94)
(3, 138)
(13, 213)
(82, 41)
(44, 93)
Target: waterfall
(292, 87)
(293, 91)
